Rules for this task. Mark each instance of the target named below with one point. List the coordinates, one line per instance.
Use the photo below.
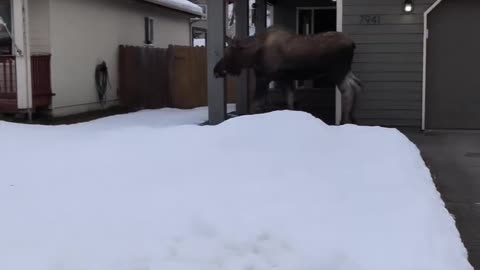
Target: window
(199, 37)
(148, 30)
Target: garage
(452, 71)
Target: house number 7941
(369, 19)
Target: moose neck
(250, 48)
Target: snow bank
(277, 191)
(158, 118)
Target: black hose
(102, 81)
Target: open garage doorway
(452, 84)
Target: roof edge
(181, 5)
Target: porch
(41, 83)
(318, 98)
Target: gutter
(181, 5)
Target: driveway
(454, 160)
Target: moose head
(238, 55)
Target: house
(417, 58)
(59, 44)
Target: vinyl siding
(86, 32)
(389, 59)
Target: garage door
(453, 66)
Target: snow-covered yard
(154, 191)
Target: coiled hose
(102, 82)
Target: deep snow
(275, 191)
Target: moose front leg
(288, 90)
(261, 88)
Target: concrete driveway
(454, 160)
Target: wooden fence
(8, 77)
(176, 77)
(144, 77)
(165, 77)
(41, 83)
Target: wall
(39, 25)
(388, 59)
(389, 56)
(86, 32)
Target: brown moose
(281, 56)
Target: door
(317, 97)
(313, 21)
(453, 59)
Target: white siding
(85, 32)
(39, 24)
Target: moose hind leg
(348, 88)
(347, 105)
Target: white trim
(338, 95)
(20, 37)
(424, 80)
(28, 58)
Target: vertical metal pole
(261, 18)
(241, 16)
(215, 48)
(338, 96)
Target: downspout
(22, 55)
(338, 95)
(26, 37)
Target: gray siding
(389, 56)
(389, 60)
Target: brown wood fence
(41, 83)
(143, 77)
(165, 77)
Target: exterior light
(408, 6)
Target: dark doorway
(452, 84)
(6, 17)
(317, 96)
